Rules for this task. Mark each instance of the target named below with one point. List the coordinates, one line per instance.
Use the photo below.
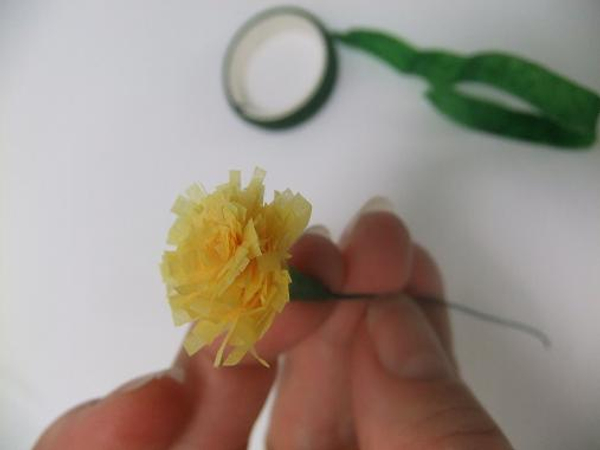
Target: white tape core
(276, 66)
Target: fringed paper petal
(228, 272)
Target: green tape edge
(322, 91)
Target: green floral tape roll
(268, 26)
(562, 113)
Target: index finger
(229, 399)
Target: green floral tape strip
(566, 112)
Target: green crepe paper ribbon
(308, 289)
(567, 112)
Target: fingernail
(374, 204)
(378, 204)
(319, 230)
(175, 373)
(405, 342)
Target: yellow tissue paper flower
(228, 271)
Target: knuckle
(460, 427)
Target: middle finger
(312, 409)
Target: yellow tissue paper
(228, 270)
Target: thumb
(405, 391)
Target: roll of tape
(258, 32)
(562, 114)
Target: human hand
(369, 375)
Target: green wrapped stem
(565, 113)
(308, 289)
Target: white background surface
(108, 110)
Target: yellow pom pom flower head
(227, 272)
